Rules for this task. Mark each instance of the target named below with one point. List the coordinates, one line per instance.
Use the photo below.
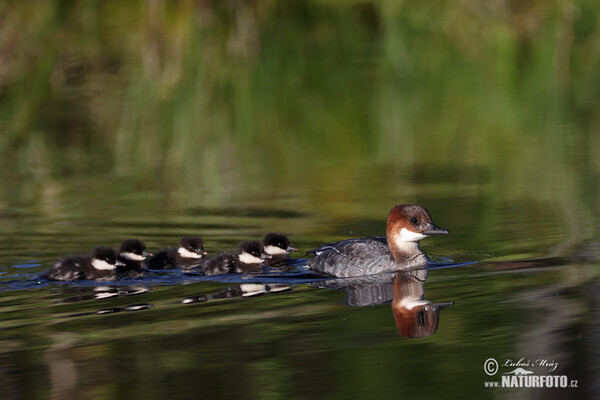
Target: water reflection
(287, 334)
(105, 292)
(242, 290)
(192, 124)
(62, 370)
(415, 317)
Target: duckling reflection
(104, 292)
(414, 316)
(108, 292)
(242, 290)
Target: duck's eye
(414, 220)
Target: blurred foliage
(242, 92)
(109, 110)
(160, 118)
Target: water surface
(167, 119)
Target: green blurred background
(486, 110)
(158, 119)
(225, 98)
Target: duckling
(189, 254)
(100, 265)
(248, 257)
(132, 253)
(277, 245)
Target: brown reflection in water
(63, 372)
(415, 317)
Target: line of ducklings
(106, 263)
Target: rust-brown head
(408, 223)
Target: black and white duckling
(133, 254)
(247, 257)
(277, 245)
(101, 264)
(189, 254)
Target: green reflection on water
(162, 119)
(337, 109)
(222, 101)
(300, 343)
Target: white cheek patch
(252, 289)
(105, 295)
(132, 256)
(274, 250)
(248, 258)
(409, 236)
(185, 253)
(409, 303)
(102, 265)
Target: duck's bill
(443, 304)
(433, 229)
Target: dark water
(229, 120)
(298, 336)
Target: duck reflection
(415, 317)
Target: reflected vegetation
(227, 120)
(119, 117)
(62, 370)
(228, 101)
(266, 328)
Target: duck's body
(102, 264)
(406, 226)
(248, 257)
(356, 257)
(188, 255)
